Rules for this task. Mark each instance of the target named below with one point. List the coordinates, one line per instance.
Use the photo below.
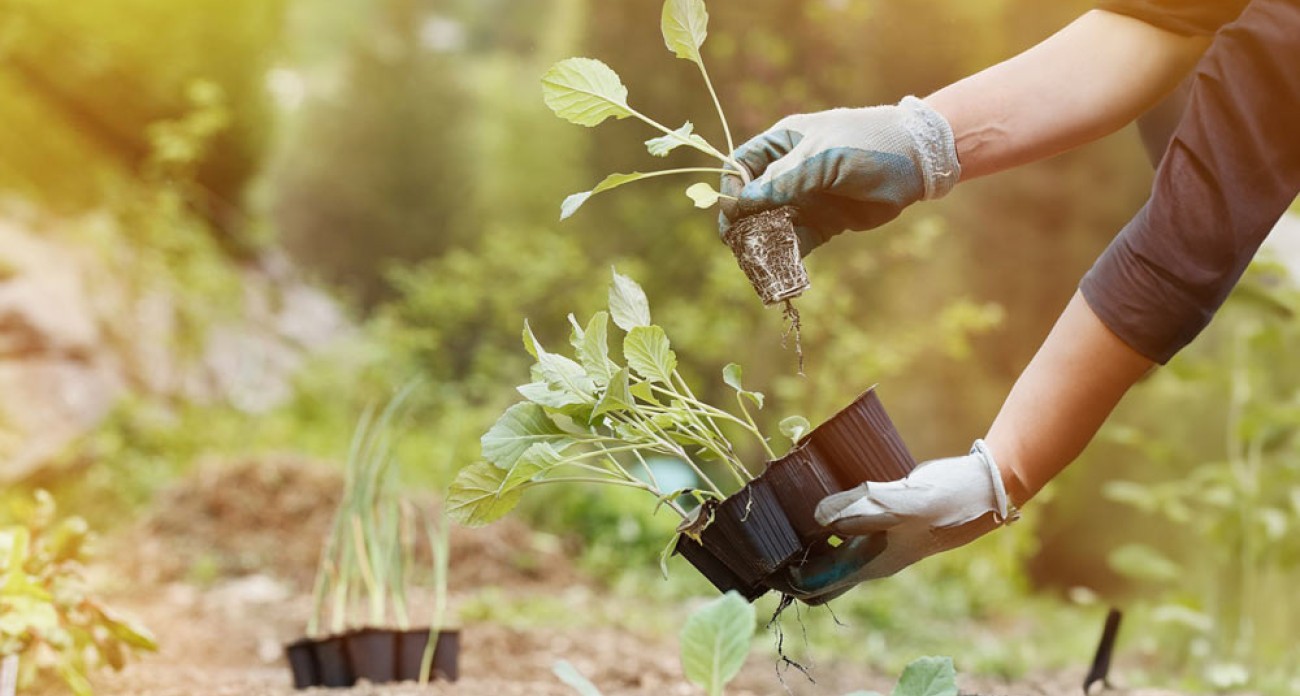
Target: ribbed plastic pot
(373, 654)
(446, 656)
(715, 571)
(332, 660)
(301, 656)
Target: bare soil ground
(255, 527)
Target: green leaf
(476, 497)
(572, 678)
(584, 91)
(715, 641)
(521, 426)
(703, 195)
(543, 394)
(642, 391)
(928, 676)
(617, 396)
(575, 201)
(685, 25)
(536, 460)
(648, 353)
(566, 375)
(672, 543)
(664, 144)
(593, 349)
(795, 427)
(627, 303)
(731, 375)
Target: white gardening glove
(943, 504)
(845, 169)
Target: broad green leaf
(572, 678)
(575, 201)
(648, 353)
(795, 427)
(715, 641)
(664, 144)
(476, 498)
(627, 303)
(617, 396)
(124, 630)
(928, 676)
(536, 460)
(685, 25)
(558, 372)
(703, 195)
(593, 349)
(566, 375)
(521, 426)
(642, 391)
(584, 91)
(543, 394)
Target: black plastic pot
(770, 522)
(373, 654)
(302, 662)
(333, 663)
(410, 655)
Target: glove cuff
(1006, 512)
(936, 147)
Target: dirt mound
(269, 515)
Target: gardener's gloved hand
(845, 169)
(943, 504)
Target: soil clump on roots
(767, 249)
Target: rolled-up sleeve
(1230, 171)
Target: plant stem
(590, 479)
(726, 129)
(647, 428)
(705, 148)
(740, 400)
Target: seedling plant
(590, 419)
(717, 637)
(48, 616)
(369, 558)
(587, 92)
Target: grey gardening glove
(943, 504)
(845, 169)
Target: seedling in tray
(593, 420)
(586, 91)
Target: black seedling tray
(770, 522)
(376, 655)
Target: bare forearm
(1085, 81)
(1060, 400)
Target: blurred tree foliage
(82, 83)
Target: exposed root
(791, 315)
(784, 662)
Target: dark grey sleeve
(1230, 171)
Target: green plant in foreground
(592, 420)
(47, 615)
(716, 638)
(585, 91)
